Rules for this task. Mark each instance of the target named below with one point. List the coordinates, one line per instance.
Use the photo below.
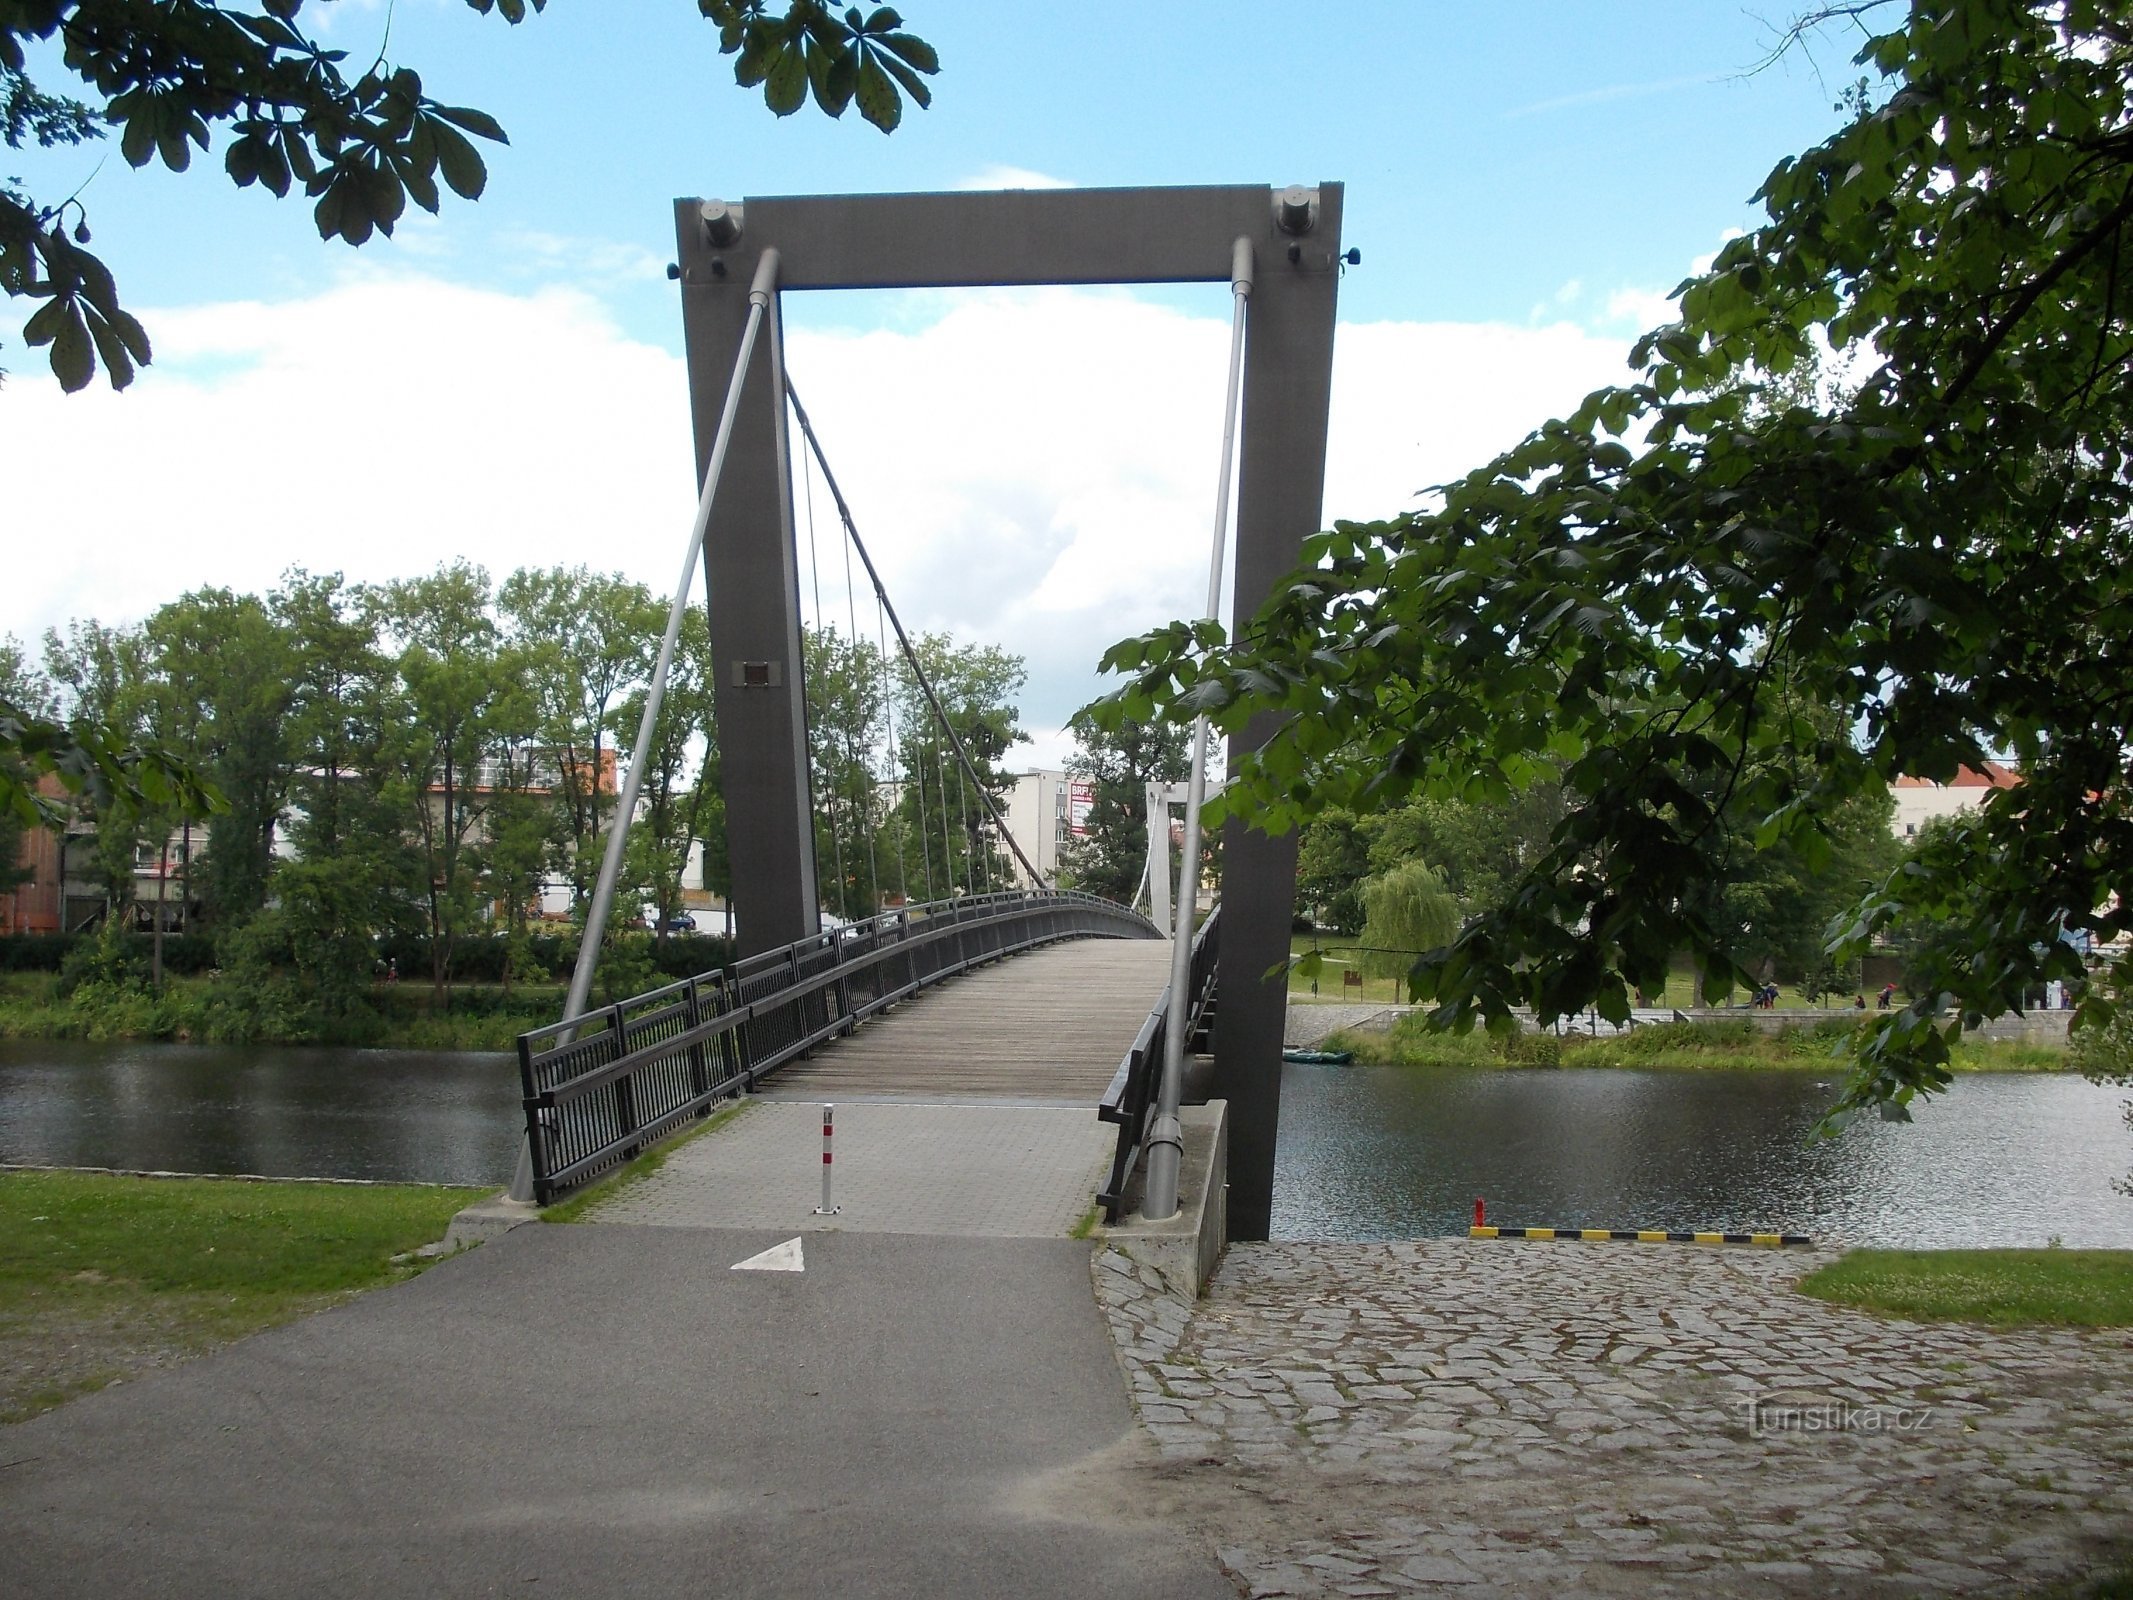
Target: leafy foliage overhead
(361, 142)
(88, 761)
(1670, 590)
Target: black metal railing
(599, 1089)
(1131, 1099)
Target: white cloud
(998, 175)
(1643, 309)
(378, 429)
(1606, 93)
(1034, 469)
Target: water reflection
(405, 1115)
(1397, 1152)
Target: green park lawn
(2006, 1288)
(1342, 977)
(103, 1277)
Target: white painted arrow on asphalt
(778, 1258)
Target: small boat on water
(1319, 1058)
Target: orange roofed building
(1920, 800)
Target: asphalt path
(604, 1410)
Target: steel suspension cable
(940, 778)
(925, 684)
(962, 826)
(888, 704)
(851, 612)
(1166, 1139)
(762, 293)
(823, 636)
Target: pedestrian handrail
(1131, 1099)
(602, 1087)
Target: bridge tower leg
(751, 569)
(1288, 387)
(1057, 236)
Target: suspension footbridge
(921, 1003)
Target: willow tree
(1645, 590)
(1407, 912)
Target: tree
(847, 696)
(446, 703)
(945, 827)
(584, 641)
(1332, 860)
(225, 654)
(20, 685)
(1941, 558)
(1407, 911)
(684, 738)
(351, 875)
(1118, 764)
(176, 77)
(98, 671)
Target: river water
(1402, 1152)
(1365, 1152)
(417, 1116)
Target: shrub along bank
(1817, 1046)
(99, 988)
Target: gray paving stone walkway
(1533, 1419)
(1007, 1171)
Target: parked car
(680, 922)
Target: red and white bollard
(828, 1124)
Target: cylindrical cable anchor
(829, 1122)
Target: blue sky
(1525, 182)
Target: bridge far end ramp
(1048, 1025)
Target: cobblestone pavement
(1528, 1419)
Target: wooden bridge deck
(1051, 1025)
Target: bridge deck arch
(1049, 1025)
(968, 1109)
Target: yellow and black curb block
(1640, 1236)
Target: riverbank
(203, 1010)
(1817, 1046)
(103, 1277)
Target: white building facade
(1046, 811)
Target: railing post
(536, 1142)
(844, 983)
(699, 1067)
(625, 1085)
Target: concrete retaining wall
(1185, 1249)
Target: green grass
(101, 1275)
(630, 1174)
(1340, 957)
(1735, 1042)
(2005, 1288)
